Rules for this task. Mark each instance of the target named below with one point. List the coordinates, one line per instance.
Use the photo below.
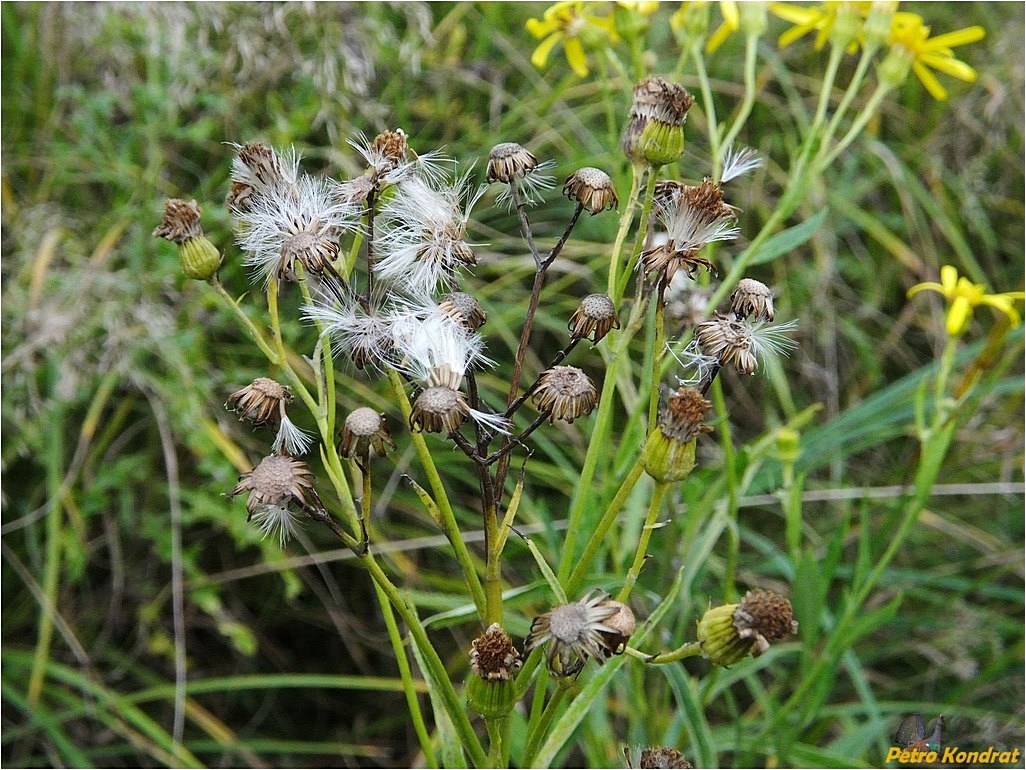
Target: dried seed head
(752, 298)
(764, 616)
(574, 632)
(509, 160)
(682, 419)
(181, 221)
(566, 392)
(655, 132)
(199, 258)
(669, 453)
(595, 316)
(493, 655)
(439, 409)
(622, 622)
(592, 188)
(364, 429)
(274, 486)
(729, 341)
(663, 757)
(463, 309)
(392, 146)
(731, 632)
(314, 250)
(262, 402)
(256, 171)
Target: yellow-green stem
(651, 520)
(598, 536)
(733, 492)
(637, 170)
(751, 90)
(535, 738)
(450, 527)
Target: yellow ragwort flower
(570, 22)
(963, 295)
(731, 24)
(822, 19)
(911, 45)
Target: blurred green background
(116, 369)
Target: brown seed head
(574, 632)
(764, 616)
(257, 169)
(509, 160)
(592, 188)
(277, 481)
(364, 429)
(262, 402)
(682, 419)
(729, 341)
(752, 298)
(463, 309)
(392, 146)
(622, 623)
(439, 409)
(313, 250)
(663, 757)
(657, 99)
(567, 392)
(595, 316)
(181, 221)
(493, 655)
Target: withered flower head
(256, 171)
(274, 486)
(622, 622)
(439, 409)
(263, 402)
(199, 258)
(752, 298)
(694, 216)
(463, 309)
(364, 429)
(662, 757)
(493, 655)
(509, 160)
(669, 453)
(493, 660)
(731, 632)
(592, 188)
(595, 316)
(574, 633)
(567, 392)
(392, 146)
(655, 132)
(742, 343)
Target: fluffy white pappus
(530, 186)
(421, 235)
(429, 165)
(690, 228)
(276, 520)
(737, 162)
(495, 423)
(312, 206)
(436, 351)
(264, 169)
(291, 438)
(695, 365)
(767, 338)
(362, 335)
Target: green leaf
(789, 239)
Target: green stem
(604, 525)
(406, 674)
(254, 333)
(708, 105)
(449, 525)
(686, 650)
(637, 170)
(639, 239)
(640, 556)
(868, 111)
(534, 739)
(733, 492)
(493, 565)
(747, 102)
(495, 742)
(658, 349)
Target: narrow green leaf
(788, 240)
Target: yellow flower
(823, 19)
(731, 24)
(570, 22)
(963, 295)
(911, 44)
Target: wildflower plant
(383, 265)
